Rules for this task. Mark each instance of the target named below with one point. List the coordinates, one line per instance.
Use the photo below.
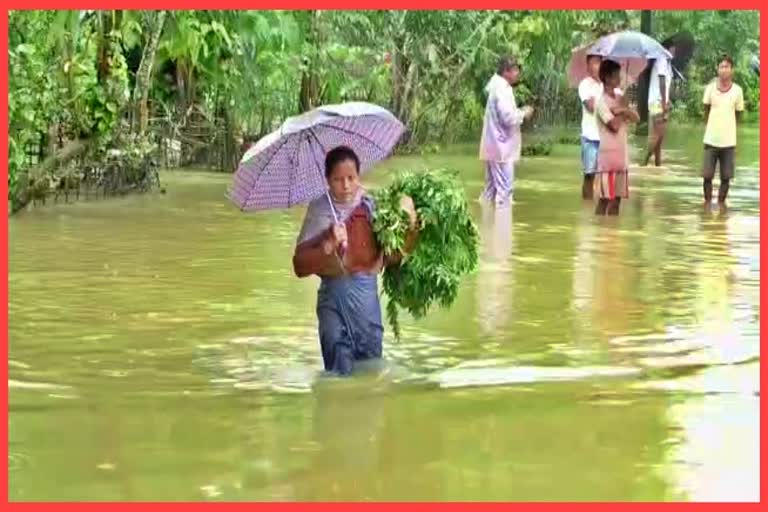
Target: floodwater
(161, 349)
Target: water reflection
(494, 292)
(347, 423)
(712, 452)
(713, 459)
(179, 360)
(603, 279)
(584, 268)
(713, 279)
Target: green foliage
(543, 148)
(54, 81)
(569, 140)
(429, 67)
(34, 94)
(446, 249)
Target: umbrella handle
(343, 247)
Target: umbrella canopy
(630, 49)
(577, 67)
(287, 167)
(629, 45)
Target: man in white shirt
(590, 89)
(659, 104)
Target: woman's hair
(608, 68)
(338, 155)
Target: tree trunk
(263, 124)
(35, 181)
(403, 75)
(144, 74)
(70, 150)
(309, 95)
(400, 66)
(109, 24)
(230, 157)
(103, 50)
(646, 27)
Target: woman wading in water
(347, 259)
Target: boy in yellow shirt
(723, 104)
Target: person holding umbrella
(319, 157)
(346, 257)
(613, 116)
(629, 50)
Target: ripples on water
(160, 348)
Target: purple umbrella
(287, 167)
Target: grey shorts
(725, 156)
(589, 150)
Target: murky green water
(160, 349)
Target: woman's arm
(608, 116)
(317, 256)
(626, 112)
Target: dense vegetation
(95, 96)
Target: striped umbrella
(287, 167)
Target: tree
(144, 73)
(309, 90)
(241, 73)
(646, 27)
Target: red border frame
(351, 4)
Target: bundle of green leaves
(447, 245)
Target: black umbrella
(684, 46)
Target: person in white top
(659, 104)
(590, 89)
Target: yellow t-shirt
(721, 126)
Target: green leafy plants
(537, 149)
(447, 245)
